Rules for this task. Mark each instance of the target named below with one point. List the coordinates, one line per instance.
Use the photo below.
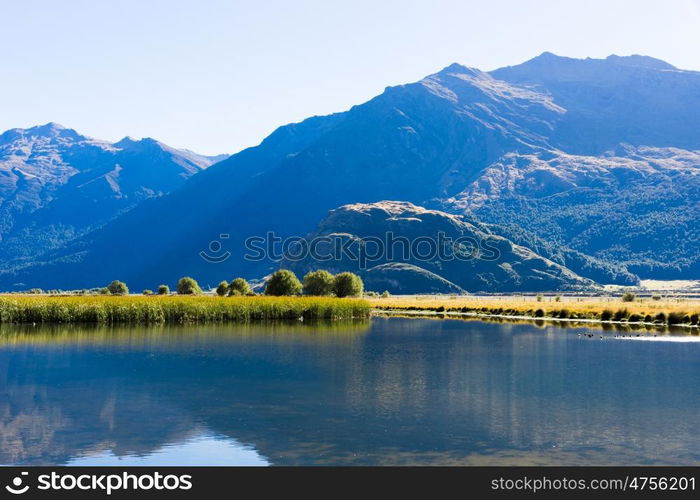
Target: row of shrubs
(670, 318)
(285, 283)
(316, 283)
(280, 283)
(116, 287)
(626, 297)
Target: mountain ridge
(56, 184)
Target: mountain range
(590, 165)
(56, 185)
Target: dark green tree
(163, 290)
(348, 285)
(239, 286)
(188, 286)
(283, 282)
(117, 287)
(319, 283)
(222, 289)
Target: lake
(390, 391)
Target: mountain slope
(401, 278)
(427, 244)
(56, 184)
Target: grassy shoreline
(667, 312)
(179, 309)
(174, 309)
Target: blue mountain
(590, 163)
(57, 185)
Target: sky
(218, 76)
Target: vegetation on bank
(174, 309)
(319, 283)
(316, 283)
(239, 286)
(188, 286)
(283, 282)
(625, 309)
(348, 285)
(280, 283)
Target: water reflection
(200, 450)
(396, 391)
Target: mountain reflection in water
(389, 391)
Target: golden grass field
(679, 310)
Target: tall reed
(174, 309)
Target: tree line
(280, 283)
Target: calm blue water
(393, 391)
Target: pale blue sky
(218, 76)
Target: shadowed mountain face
(590, 163)
(429, 250)
(56, 184)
